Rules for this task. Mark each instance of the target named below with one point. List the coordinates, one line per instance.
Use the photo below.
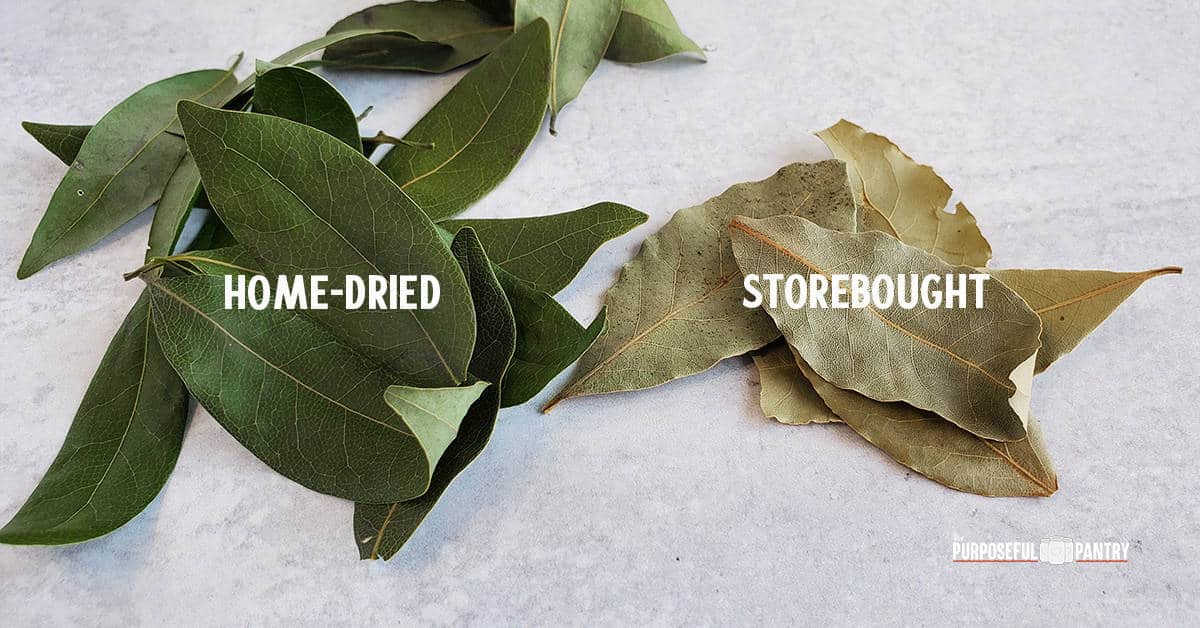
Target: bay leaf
(1072, 303)
(941, 451)
(676, 309)
(548, 251)
(310, 407)
(499, 9)
(905, 199)
(381, 530)
(467, 33)
(479, 130)
(178, 198)
(63, 140)
(786, 395)
(580, 32)
(648, 31)
(299, 95)
(972, 366)
(303, 202)
(433, 414)
(549, 339)
(122, 167)
(121, 447)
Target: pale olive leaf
(647, 31)
(63, 140)
(303, 202)
(301, 96)
(381, 530)
(122, 167)
(676, 309)
(1072, 303)
(972, 366)
(479, 130)
(121, 447)
(786, 395)
(500, 9)
(941, 451)
(467, 34)
(548, 251)
(433, 414)
(310, 407)
(905, 199)
(580, 32)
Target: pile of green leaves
(384, 408)
(945, 392)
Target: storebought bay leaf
(310, 407)
(303, 202)
(548, 251)
(1072, 303)
(786, 395)
(299, 95)
(580, 32)
(381, 530)
(121, 168)
(63, 140)
(647, 31)
(466, 33)
(479, 130)
(120, 449)
(941, 451)
(905, 199)
(676, 309)
(972, 366)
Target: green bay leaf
(120, 449)
(1072, 303)
(548, 251)
(479, 130)
(647, 31)
(466, 33)
(676, 309)
(178, 198)
(433, 414)
(122, 167)
(580, 31)
(304, 202)
(941, 451)
(972, 366)
(63, 140)
(904, 199)
(500, 9)
(299, 95)
(381, 530)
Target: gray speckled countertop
(1069, 128)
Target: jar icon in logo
(1057, 550)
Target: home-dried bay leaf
(299, 95)
(500, 9)
(580, 32)
(63, 140)
(479, 130)
(786, 395)
(381, 530)
(647, 31)
(178, 198)
(1072, 303)
(433, 414)
(467, 33)
(941, 451)
(548, 251)
(676, 308)
(972, 366)
(905, 199)
(121, 168)
(120, 449)
(304, 202)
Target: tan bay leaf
(787, 396)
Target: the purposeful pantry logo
(1055, 550)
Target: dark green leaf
(381, 530)
(301, 96)
(303, 202)
(64, 140)
(479, 130)
(121, 447)
(178, 199)
(465, 32)
(548, 251)
(499, 9)
(647, 32)
(122, 167)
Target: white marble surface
(1071, 130)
